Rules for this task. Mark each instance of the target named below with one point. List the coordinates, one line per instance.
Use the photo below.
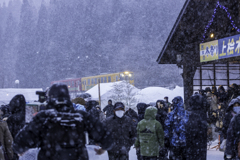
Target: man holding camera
(59, 131)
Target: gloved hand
(99, 151)
(229, 156)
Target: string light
(213, 16)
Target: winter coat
(175, 125)
(162, 112)
(133, 115)
(6, 141)
(101, 116)
(60, 135)
(233, 137)
(196, 129)
(150, 135)
(17, 120)
(109, 109)
(79, 107)
(91, 108)
(222, 97)
(123, 133)
(141, 110)
(228, 116)
(212, 100)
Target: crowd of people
(162, 131)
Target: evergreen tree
(25, 52)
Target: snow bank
(146, 95)
(104, 88)
(152, 94)
(7, 94)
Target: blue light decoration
(213, 16)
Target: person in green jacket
(150, 135)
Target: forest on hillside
(77, 38)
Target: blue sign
(226, 48)
(229, 47)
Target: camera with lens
(42, 97)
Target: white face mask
(119, 113)
(236, 109)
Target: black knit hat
(119, 105)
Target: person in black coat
(109, 109)
(222, 95)
(228, 116)
(59, 131)
(133, 115)
(16, 121)
(123, 133)
(141, 107)
(92, 109)
(162, 113)
(196, 129)
(233, 135)
(230, 113)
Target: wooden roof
(187, 32)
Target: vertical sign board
(220, 49)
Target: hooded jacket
(150, 135)
(141, 110)
(17, 120)
(233, 137)
(196, 129)
(228, 116)
(175, 124)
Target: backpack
(64, 132)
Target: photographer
(62, 128)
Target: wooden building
(204, 42)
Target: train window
(109, 79)
(131, 76)
(89, 81)
(117, 78)
(96, 82)
(101, 79)
(105, 79)
(92, 81)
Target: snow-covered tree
(124, 92)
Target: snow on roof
(7, 94)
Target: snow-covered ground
(212, 154)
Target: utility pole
(99, 93)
